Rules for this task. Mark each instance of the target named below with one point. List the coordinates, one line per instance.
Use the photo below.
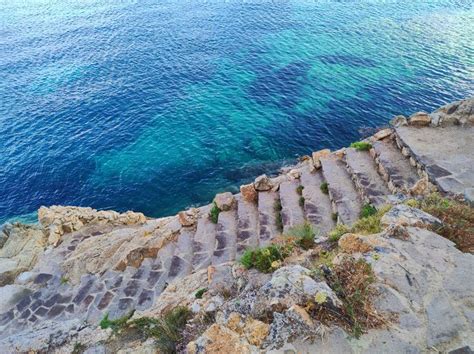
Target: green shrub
(200, 293)
(115, 325)
(299, 190)
(370, 224)
(361, 146)
(334, 216)
(214, 213)
(301, 201)
(278, 218)
(78, 348)
(367, 210)
(265, 259)
(336, 233)
(324, 187)
(304, 235)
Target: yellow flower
(266, 252)
(320, 297)
(276, 264)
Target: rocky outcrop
(58, 220)
(455, 113)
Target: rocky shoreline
(81, 269)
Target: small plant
(361, 146)
(334, 216)
(214, 213)
(301, 201)
(324, 187)
(263, 258)
(367, 210)
(64, 280)
(336, 233)
(325, 258)
(303, 234)
(200, 293)
(370, 224)
(116, 325)
(299, 189)
(278, 218)
(78, 348)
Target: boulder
(455, 113)
(317, 155)
(249, 194)
(381, 134)
(294, 174)
(188, 217)
(263, 183)
(407, 216)
(225, 201)
(420, 119)
(399, 121)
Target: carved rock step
(204, 240)
(226, 237)
(346, 201)
(394, 167)
(181, 264)
(267, 217)
(247, 225)
(291, 211)
(317, 206)
(366, 178)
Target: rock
(353, 243)
(381, 134)
(420, 119)
(317, 155)
(10, 295)
(422, 187)
(397, 231)
(189, 217)
(225, 201)
(469, 196)
(301, 314)
(263, 183)
(294, 174)
(455, 113)
(256, 331)
(58, 220)
(249, 194)
(407, 216)
(399, 121)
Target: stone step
(204, 240)
(366, 178)
(317, 206)
(291, 210)
(394, 168)
(181, 264)
(247, 224)
(226, 237)
(345, 199)
(267, 217)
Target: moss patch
(361, 146)
(265, 259)
(303, 235)
(324, 187)
(214, 213)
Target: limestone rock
(188, 217)
(455, 113)
(225, 201)
(397, 231)
(399, 121)
(407, 216)
(263, 183)
(317, 155)
(249, 194)
(422, 187)
(59, 220)
(381, 134)
(256, 331)
(420, 119)
(294, 174)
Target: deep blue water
(157, 105)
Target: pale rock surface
(317, 155)
(420, 119)
(455, 113)
(249, 194)
(407, 216)
(263, 183)
(225, 201)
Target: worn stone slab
(204, 240)
(393, 166)
(291, 211)
(247, 224)
(342, 190)
(226, 237)
(446, 153)
(267, 217)
(317, 206)
(366, 178)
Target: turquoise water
(156, 106)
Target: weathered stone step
(181, 264)
(346, 201)
(204, 240)
(393, 166)
(291, 210)
(317, 206)
(247, 224)
(226, 237)
(267, 216)
(365, 176)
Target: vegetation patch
(301, 201)
(303, 235)
(265, 259)
(457, 218)
(361, 146)
(334, 216)
(299, 189)
(78, 348)
(367, 210)
(370, 224)
(214, 213)
(324, 187)
(200, 293)
(336, 233)
(352, 281)
(278, 218)
(166, 331)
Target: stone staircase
(388, 172)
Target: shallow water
(155, 106)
